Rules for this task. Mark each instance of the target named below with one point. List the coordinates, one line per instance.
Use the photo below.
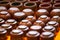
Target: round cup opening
(57, 5)
(15, 3)
(29, 4)
(3, 2)
(57, 1)
(45, 5)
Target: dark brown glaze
(56, 18)
(2, 21)
(8, 27)
(5, 15)
(33, 35)
(19, 16)
(39, 22)
(30, 5)
(57, 1)
(12, 10)
(3, 34)
(24, 28)
(2, 8)
(36, 1)
(36, 28)
(47, 36)
(44, 18)
(55, 12)
(16, 34)
(5, 3)
(49, 29)
(17, 4)
(55, 24)
(47, 1)
(56, 6)
(25, 22)
(12, 22)
(28, 12)
(42, 12)
(46, 6)
(31, 18)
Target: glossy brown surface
(36, 28)
(8, 27)
(47, 36)
(12, 10)
(3, 34)
(31, 5)
(37, 15)
(36, 1)
(12, 22)
(2, 8)
(5, 15)
(16, 34)
(17, 4)
(33, 35)
(56, 6)
(55, 24)
(28, 12)
(46, 6)
(57, 1)
(19, 15)
(2, 21)
(56, 18)
(42, 12)
(4, 3)
(44, 18)
(31, 18)
(39, 22)
(25, 22)
(49, 29)
(55, 12)
(24, 28)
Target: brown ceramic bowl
(39, 22)
(28, 12)
(12, 10)
(55, 12)
(46, 6)
(17, 4)
(5, 15)
(42, 12)
(44, 18)
(25, 22)
(30, 5)
(33, 35)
